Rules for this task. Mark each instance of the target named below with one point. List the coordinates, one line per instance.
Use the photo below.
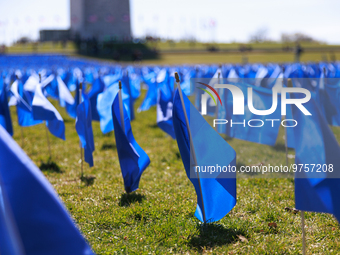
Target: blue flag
(97, 87)
(128, 88)
(104, 103)
(218, 189)
(43, 223)
(64, 94)
(10, 241)
(24, 108)
(259, 131)
(44, 110)
(5, 115)
(71, 109)
(318, 189)
(132, 158)
(84, 129)
(151, 95)
(164, 112)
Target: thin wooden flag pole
(303, 233)
(290, 85)
(48, 140)
(216, 113)
(121, 109)
(192, 149)
(22, 137)
(80, 145)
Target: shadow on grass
(108, 146)
(128, 198)
(153, 125)
(211, 235)
(88, 179)
(50, 166)
(279, 147)
(68, 120)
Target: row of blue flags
(202, 146)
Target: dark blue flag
(84, 129)
(71, 109)
(97, 87)
(5, 115)
(44, 225)
(216, 190)
(132, 158)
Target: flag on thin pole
(201, 146)
(84, 129)
(316, 145)
(5, 115)
(24, 108)
(132, 158)
(43, 223)
(104, 106)
(65, 95)
(164, 110)
(44, 110)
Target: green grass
(167, 45)
(45, 47)
(201, 57)
(159, 217)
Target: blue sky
(213, 20)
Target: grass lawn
(159, 217)
(200, 57)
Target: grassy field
(167, 46)
(159, 217)
(201, 57)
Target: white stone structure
(102, 19)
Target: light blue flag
(24, 108)
(317, 149)
(164, 110)
(64, 94)
(164, 114)
(84, 129)
(151, 95)
(5, 115)
(43, 223)
(43, 110)
(104, 103)
(217, 195)
(127, 88)
(333, 92)
(132, 158)
(259, 131)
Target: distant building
(100, 19)
(54, 35)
